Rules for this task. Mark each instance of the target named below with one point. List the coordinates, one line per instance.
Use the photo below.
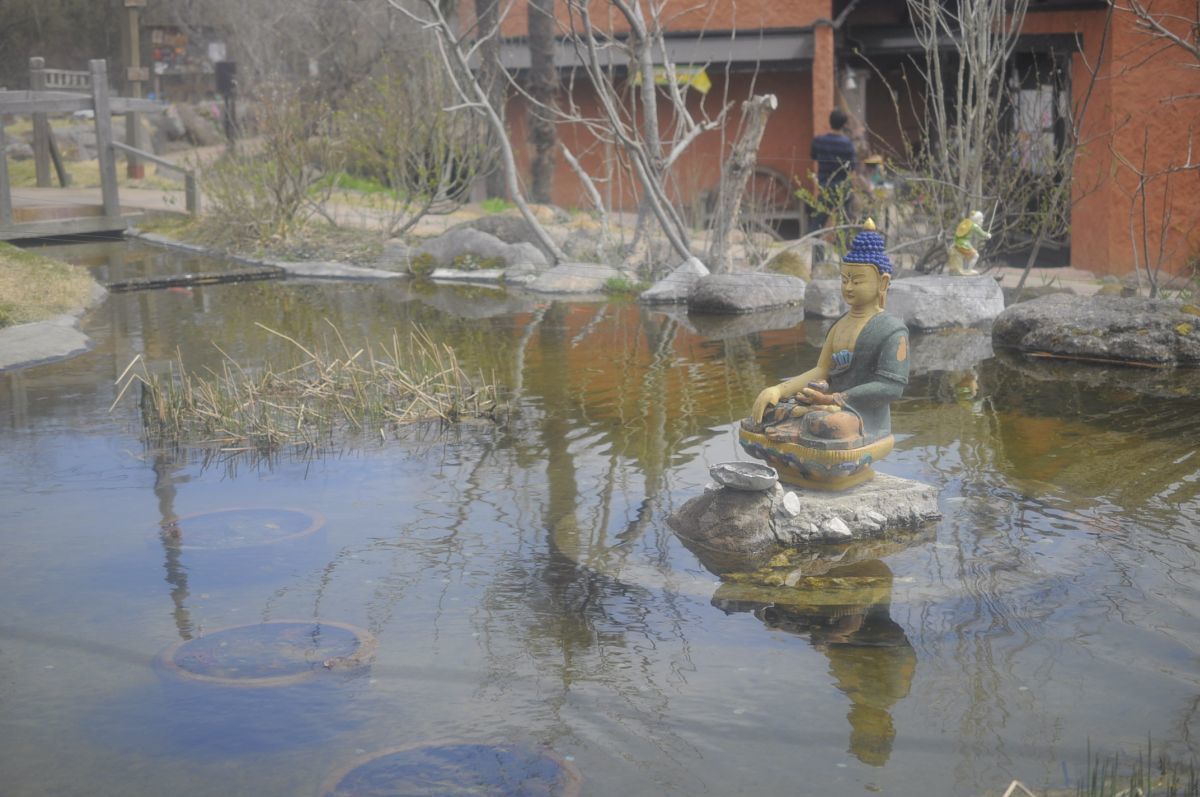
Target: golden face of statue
(862, 285)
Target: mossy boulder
(790, 262)
(468, 250)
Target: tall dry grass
(330, 390)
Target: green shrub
(496, 205)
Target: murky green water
(524, 591)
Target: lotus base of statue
(816, 464)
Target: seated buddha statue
(824, 428)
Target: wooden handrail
(191, 191)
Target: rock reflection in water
(839, 597)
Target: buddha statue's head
(866, 270)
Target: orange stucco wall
(1130, 124)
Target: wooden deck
(52, 213)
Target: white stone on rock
(836, 527)
(485, 275)
(791, 504)
(744, 475)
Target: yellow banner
(695, 78)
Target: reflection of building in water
(845, 613)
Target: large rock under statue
(743, 521)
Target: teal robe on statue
(874, 374)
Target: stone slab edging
(51, 340)
(313, 269)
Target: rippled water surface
(522, 591)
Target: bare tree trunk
(474, 97)
(543, 83)
(738, 169)
(487, 15)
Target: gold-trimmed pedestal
(830, 469)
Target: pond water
(524, 598)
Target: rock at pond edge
(737, 521)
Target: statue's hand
(771, 395)
(827, 401)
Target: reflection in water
(845, 613)
(166, 469)
(523, 584)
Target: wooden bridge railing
(102, 105)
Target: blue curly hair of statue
(867, 249)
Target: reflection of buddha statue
(825, 427)
(845, 612)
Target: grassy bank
(34, 288)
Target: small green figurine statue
(963, 255)
(824, 428)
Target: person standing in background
(834, 155)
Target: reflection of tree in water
(845, 612)
(558, 606)
(166, 466)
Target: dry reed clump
(304, 405)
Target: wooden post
(104, 148)
(6, 212)
(41, 125)
(191, 193)
(134, 168)
(64, 177)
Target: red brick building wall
(1129, 106)
(688, 15)
(1130, 110)
(789, 130)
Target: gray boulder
(935, 302)
(745, 293)
(953, 349)
(201, 130)
(525, 263)
(19, 151)
(396, 256)
(506, 228)
(676, 286)
(170, 123)
(1107, 328)
(736, 521)
(575, 278)
(823, 298)
(465, 249)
